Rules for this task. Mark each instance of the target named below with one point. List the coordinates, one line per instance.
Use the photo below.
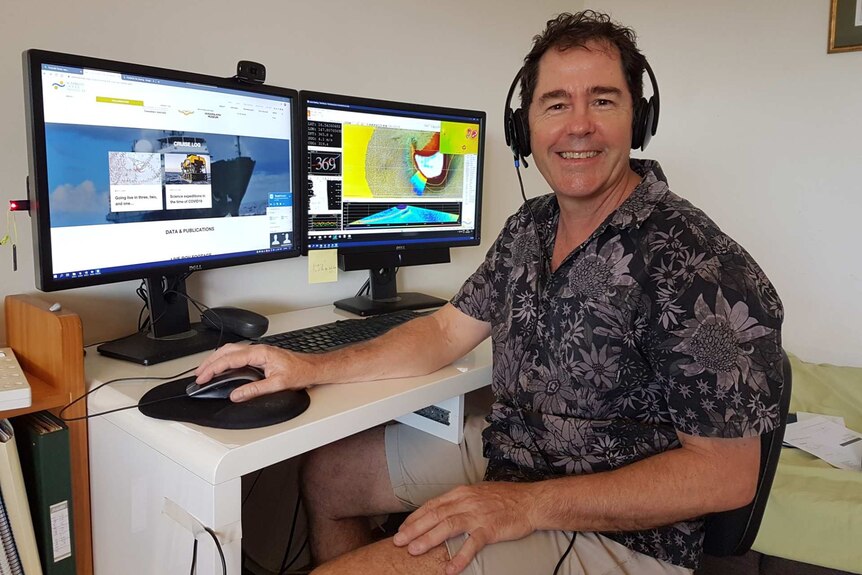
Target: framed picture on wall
(845, 26)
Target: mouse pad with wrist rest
(172, 403)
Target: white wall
(762, 128)
(447, 53)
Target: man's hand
(282, 369)
(487, 512)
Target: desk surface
(336, 411)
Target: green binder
(43, 447)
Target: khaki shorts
(422, 467)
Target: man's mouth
(579, 155)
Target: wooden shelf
(49, 346)
(43, 395)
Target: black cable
(539, 287)
(166, 289)
(290, 536)
(250, 489)
(142, 293)
(566, 552)
(295, 557)
(540, 281)
(220, 551)
(365, 287)
(218, 547)
(125, 407)
(539, 238)
(194, 557)
(119, 379)
(201, 307)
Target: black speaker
(517, 128)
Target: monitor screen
(146, 173)
(389, 183)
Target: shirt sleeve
(475, 296)
(714, 339)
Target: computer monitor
(138, 172)
(390, 184)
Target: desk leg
(132, 534)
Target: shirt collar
(642, 201)
(631, 213)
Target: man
(636, 360)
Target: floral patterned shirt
(657, 323)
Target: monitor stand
(385, 298)
(171, 335)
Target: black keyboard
(320, 338)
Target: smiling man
(636, 361)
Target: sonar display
(404, 215)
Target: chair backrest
(732, 532)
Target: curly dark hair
(575, 31)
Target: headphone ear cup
(639, 123)
(509, 131)
(522, 129)
(650, 122)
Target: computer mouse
(220, 386)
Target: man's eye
(603, 102)
(556, 106)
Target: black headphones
(517, 129)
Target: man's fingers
(230, 356)
(255, 389)
(419, 522)
(474, 543)
(439, 533)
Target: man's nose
(580, 121)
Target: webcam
(251, 72)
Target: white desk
(139, 465)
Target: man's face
(580, 121)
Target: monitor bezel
(37, 180)
(305, 96)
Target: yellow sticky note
(322, 266)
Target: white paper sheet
(828, 440)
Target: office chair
(732, 532)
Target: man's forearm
(418, 347)
(660, 490)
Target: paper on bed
(828, 440)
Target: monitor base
(144, 349)
(364, 305)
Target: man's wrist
(537, 505)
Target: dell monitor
(390, 184)
(146, 173)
